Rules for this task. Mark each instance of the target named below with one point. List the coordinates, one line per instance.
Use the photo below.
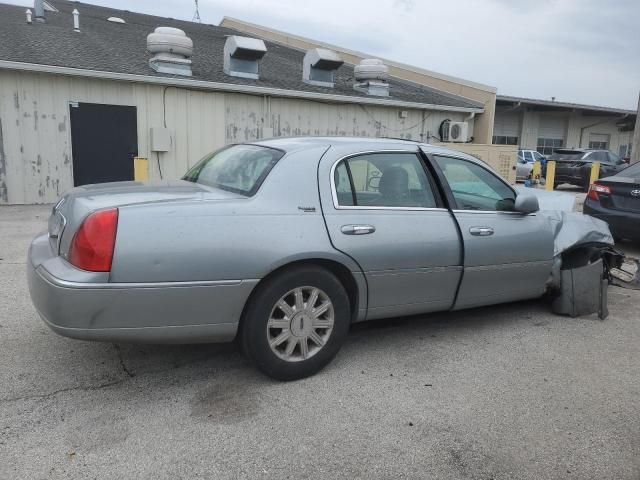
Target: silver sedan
(283, 244)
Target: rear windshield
(568, 155)
(238, 168)
(632, 171)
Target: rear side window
(383, 180)
(567, 156)
(475, 188)
(238, 168)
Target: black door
(105, 141)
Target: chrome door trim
(501, 212)
(334, 193)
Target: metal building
(544, 125)
(83, 93)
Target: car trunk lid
(625, 193)
(77, 203)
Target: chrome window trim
(334, 193)
(501, 212)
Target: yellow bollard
(551, 175)
(595, 172)
(140, 169)
(536, 171)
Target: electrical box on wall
(160, 139)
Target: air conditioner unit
(456, 132)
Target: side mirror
(526, 203)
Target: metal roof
(564, 105)
(119, 49)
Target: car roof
(359, 144)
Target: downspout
(468, 118)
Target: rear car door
(382, 209)
(507, 255)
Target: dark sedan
(573, 165)
(616, 200)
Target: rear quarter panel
(228, 239)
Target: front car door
(382, 208)
(507, 255)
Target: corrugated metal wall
(568, 126)
(292, 117)
(35, 134)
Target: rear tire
(295, 323)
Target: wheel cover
(300, 324)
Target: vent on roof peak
(242, 56)
(115, 20)
(172, 51)
(319, 66)
(372, 76)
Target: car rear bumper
(170, 312)
(572, 175)
(622, 224)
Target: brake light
(92, 245)
(595, 189)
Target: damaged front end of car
(585, 264)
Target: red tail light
(595, 189)
(93, 244)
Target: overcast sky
(583, 51)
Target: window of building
(599, 141)
(504, 140)
(598, 145)
(546, 146)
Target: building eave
(226, 87)
(566, 105)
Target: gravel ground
(507, 392)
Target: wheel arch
(355, 287)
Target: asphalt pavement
(506, 392)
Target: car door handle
(481, 231)
(357, 229)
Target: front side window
(239, 168)
(528, 156)
(474, 187)
(383, 180)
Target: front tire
(296, 322)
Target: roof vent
(172, 50)
(242, 55)
(319, 66)
(38, 6)
(115, 20)
(371, 77)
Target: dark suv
(573, 165)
